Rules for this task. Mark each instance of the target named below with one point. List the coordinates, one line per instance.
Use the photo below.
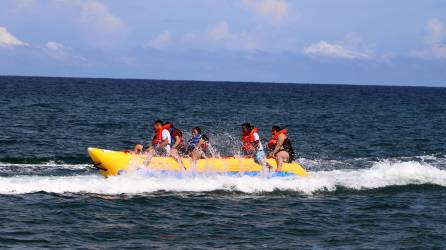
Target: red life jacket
(248, 140)
(273, 141)
(174, 132)
(158, 137)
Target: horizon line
(228, 81)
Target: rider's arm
(177, 141)
(164, 142)
(279, 144)
(256, 144)
(200, 142)
(197, 147)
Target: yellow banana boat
(112, 163)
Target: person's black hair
(205, 138)
(158, 121)
(276, 128)
(247, 125)
(198, 130)
(169, 123)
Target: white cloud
(219, 32)
(54, 46)
(221, 35)
(324, 48)
(62, 53)
(95, 13)
(161, 41)
(7, 39)
(435, 40)
(349, 48)
(274, 10)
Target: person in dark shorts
(280, 146)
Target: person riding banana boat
(251, 144)
(169, 146)
(198, 146)
(162, 142)
(168, 141)
(177, 145)
(280, 146)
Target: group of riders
(169, 141)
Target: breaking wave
(381, 174)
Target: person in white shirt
(165, 137)
(252, 146)
(160, 142)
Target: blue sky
(303, 41)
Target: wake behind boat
(112, 163)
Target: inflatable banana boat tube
(112, 163)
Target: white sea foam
(50, 164)
(382, 174)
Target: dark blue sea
(376, 157)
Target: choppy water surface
(376, 155)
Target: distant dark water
(377, 157)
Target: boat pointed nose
(94, 154)
(93, 151)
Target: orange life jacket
(248, 140)
(158, 137)
(273, 141)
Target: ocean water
(376, 157)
